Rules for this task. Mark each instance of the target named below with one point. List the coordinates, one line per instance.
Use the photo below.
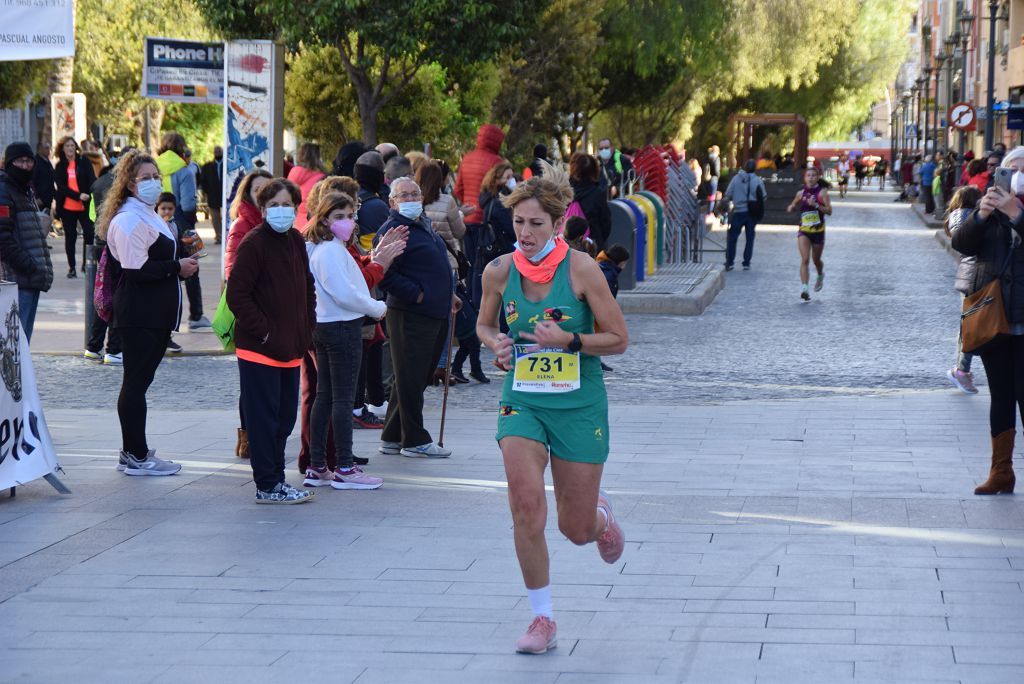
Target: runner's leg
(816, 253)
(577, 487)
(804, 244)
(525, 460)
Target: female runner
(813, 203)
(553, 404)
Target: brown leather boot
(242, 447)
(1000, 478)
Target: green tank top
(521, 314)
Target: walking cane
(447, 376)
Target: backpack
(108, 278)
(493, 242)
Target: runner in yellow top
(553, 406)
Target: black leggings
(142, 350)
(70, 221)
(1004, 367)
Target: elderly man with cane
(420, 289)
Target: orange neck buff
(544, 271)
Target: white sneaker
(390, 448)
(113, 360)
(430, 450)
(91, 355)
(151, 465)
(202, 324)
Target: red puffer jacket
(475, 166)
(248, 218)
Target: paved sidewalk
(793, 541)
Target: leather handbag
(984, 316)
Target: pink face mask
(343, 228)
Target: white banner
(36, 29)
(26, 448)
(183, 71)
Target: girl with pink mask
(343, 301)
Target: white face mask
(1017, 183)
(281, 218)
(511, 184)
(148, 191)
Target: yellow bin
(651, 212)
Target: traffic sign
(962, 116)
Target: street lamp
(990, 97)
(940, 59)
(918, 90)
(951, 42)
(927, 111)
(966, 31)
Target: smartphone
(1002, 178)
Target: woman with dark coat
(498, 182)
(992, 235)
(74, 177)
(585, 175)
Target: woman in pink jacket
(306, 173)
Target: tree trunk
(368, 110)
(59, 81)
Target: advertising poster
(35, 29)
(67, 111)
(183, 71)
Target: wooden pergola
(742, 129)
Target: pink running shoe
(541, 636)
(612, 541)
(354, 478)
(317, 477)
(962, 381)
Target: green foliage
(201, 124)
(383, 44)
(19, 79)
(108, 63)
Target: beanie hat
(540, 151)
(17, 151)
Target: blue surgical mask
(148, 191)
(410, 210)
(281, 219)
(547, 249)
(605, 154)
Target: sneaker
(746, 267)
(612, 541)
(479, 376)
(367, 421)
(430, 450)
(459, 377)
(283, 493)
(390, 448)
(202, 324)
(354, 478)
(318, 477)
(540, 636)
(805, 295)
(92, 356)
(173, 347)
(113, 360)
(728, 267)
(381, 410)
(122, 462)
(962, 381)
(819, 283)
(151, 465)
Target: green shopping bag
(224, 323)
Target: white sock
(540, 601)
(605, 514)
(803, 287)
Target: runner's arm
(487, 328)
(796, 201)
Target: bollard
(92, 255)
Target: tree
(20, 79)
(108, 67)
(382, 44)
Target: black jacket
(43, 182)
(498, 214)
(373, 212)
(84, 175)
(422, 269)
(211, 181)
(594, 203)
(988, 241)
(611, 273)
(149, 297)
(25, 256)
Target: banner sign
(26, 448)
(67, 112)
(36, 29)
(183, 71)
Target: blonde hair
(124, 175)
(551, 189)
(316, 231)
(328, 184)
(245, 190)
(416, 160)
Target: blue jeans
(739, 221)
(339, 353)
(28, 302)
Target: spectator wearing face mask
(614, 164)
